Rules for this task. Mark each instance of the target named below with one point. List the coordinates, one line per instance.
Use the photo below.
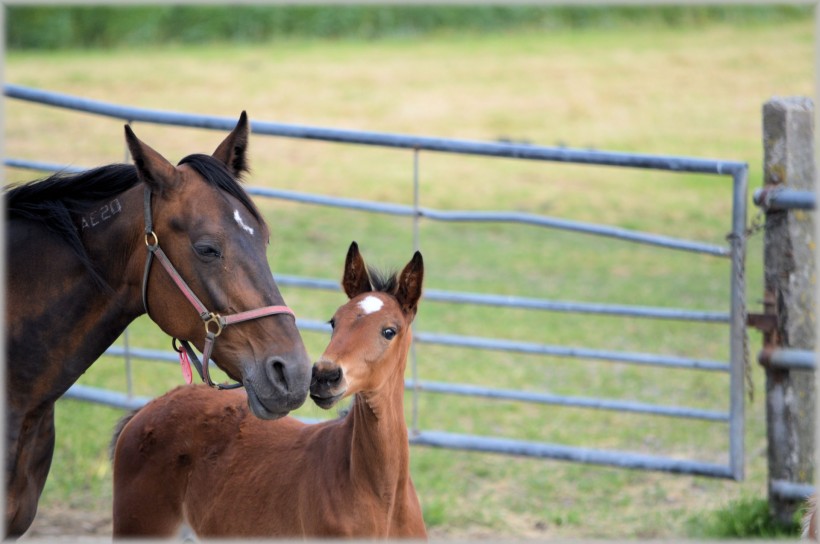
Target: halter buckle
(215, 319)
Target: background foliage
(59, 27)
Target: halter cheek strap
(214, 322)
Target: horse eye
(207, 251)
(389, 333)
(332, 323)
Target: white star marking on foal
(371, 304)
(241, 223)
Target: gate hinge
(765, 323)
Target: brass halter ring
(216, 319)
(148, 237)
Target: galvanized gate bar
(382, 139)
(475, 443)
(495, 217)
(791, 490)
(576, 402)
(105, 397)
(568, 453)
(569, 351)
(777, 198)
(509, 301)
(42, 166)
(477, 391)
(461, 216)
(738, 352)
(496, 344)
(794, 359)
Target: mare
(78, 272)
(197, 457)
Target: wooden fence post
(789, 245)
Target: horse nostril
(334, 376)
(276, 372)
(330, 377)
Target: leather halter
(214, 322)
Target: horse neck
(379, 442)
(82, 317)
(118, 243)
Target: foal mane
(58, 201)
(381, 281)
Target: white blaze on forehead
(371, 304)
(241, 223)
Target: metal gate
(735, 317)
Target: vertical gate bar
(738, 347)
(129, 382)
(413, 361)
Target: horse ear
(355, 280)
(408, 290)
(152, 168)
(232, 150)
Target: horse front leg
(27, 468)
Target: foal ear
(408, 290)
(152, 168)
(355, 280)
(232, 150)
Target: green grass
(686, 91)
(747, 517)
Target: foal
(197, 455)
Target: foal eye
(389, 333)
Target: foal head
(216, 238)
(371, 333)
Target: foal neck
(379, 440)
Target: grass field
(694, 91)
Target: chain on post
(757, 224)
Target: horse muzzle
(327, 384)
(277, 386)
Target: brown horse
(196, 456)
(78, 272)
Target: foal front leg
(27, 468)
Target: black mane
(67, 193)
(217, 174)
(58, 201)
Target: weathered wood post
(790, 283)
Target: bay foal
(197, 455)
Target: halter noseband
(214, 322)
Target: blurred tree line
(54, 27)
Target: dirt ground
(66, 524)
(57, 523)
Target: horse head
(216, 240)
(371, 332)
